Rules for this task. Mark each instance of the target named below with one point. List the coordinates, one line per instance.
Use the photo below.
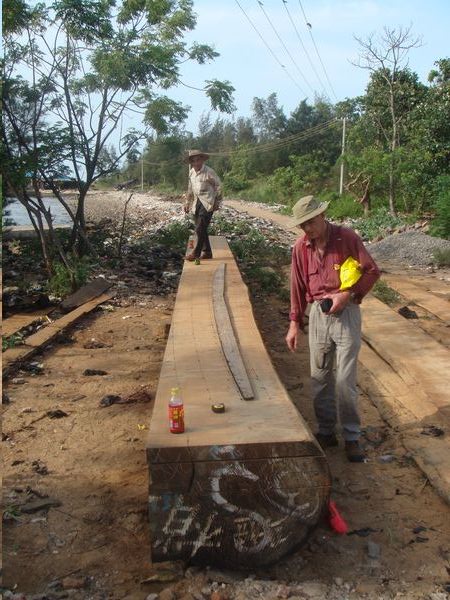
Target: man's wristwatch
(352, 296)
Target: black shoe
(206, 255)
(354, 452)
(327, 440)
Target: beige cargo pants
(334, 343)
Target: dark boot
(354, 451)
(327, 440)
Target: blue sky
(247, 63)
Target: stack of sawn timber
(240, 488)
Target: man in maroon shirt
(334, 331)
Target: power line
(284, 45)
(309, 27)
(304, 47)
(269, 146)
(270, 49)
(281, 143)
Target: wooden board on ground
(88, 292)
(421, 362)
(239, 488)
(438, 306)
(405, 373)
(18, 321)
(12, 357)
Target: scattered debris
(165, 571)
(91, 372)
(406, 312)
(433, 431)
(364, 531)
(56, 414)
(36, 505)
(93, 344)
(387, 458)
(373, 550)
(109, 400)
(39, 467)
(140, 396)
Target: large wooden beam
(239, 488)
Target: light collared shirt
(204, 187)
(313, 276)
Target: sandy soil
(93, 542)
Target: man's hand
(292, 336)
(340, 301)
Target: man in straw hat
(335, 330)
(204, 197)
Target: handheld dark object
(326, 304)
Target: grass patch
(174, 236)
(385, 293)
(11, 341)
(67, 280)
(441, 257)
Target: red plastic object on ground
(337, 523)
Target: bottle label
(176, 419)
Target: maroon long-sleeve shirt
(313, 277)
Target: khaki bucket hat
(193, 153)
(307, 208)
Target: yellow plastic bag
(349, 273)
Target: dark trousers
(202, 220)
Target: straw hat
(193, 153)
(307, 208)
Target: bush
(377, 223)
(261, 191)
(65, 281)
(341, 207)
(174, 236)
(442, 257)
(440, 225)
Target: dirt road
(87, 462)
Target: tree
(88, 64)
(385, 62)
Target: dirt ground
(61, 445)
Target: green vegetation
(259, 259)
(77, 85)
(67, 279)
(11, 341)
(440, 226)
(441, 258)
(385, 293)
(378, 223)
(174, 236)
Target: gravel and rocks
(412, 248)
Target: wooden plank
(408, 409)
(18, 321)
(47, 333)
(226, 335)
(422, 363)
(239, 488)
(13, 357)
(85, 294)
(439, 307)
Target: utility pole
(142, 172)
(341, 182)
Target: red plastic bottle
(176, 411)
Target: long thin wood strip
(226, 335)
